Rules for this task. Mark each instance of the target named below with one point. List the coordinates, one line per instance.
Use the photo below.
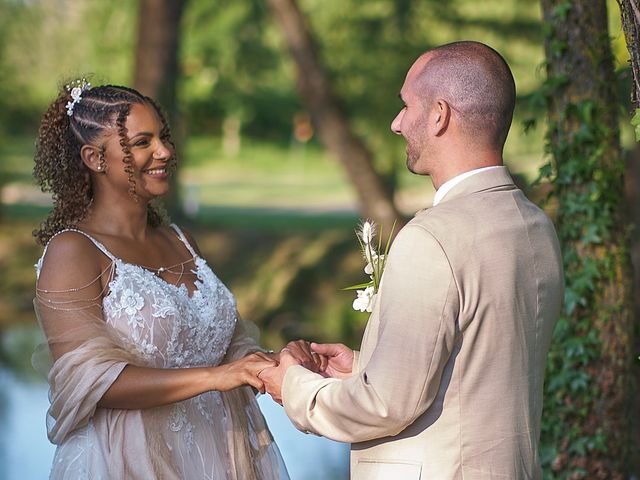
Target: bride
(150, 367)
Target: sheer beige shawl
(90, 355)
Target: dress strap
(183, 239)
(98, 245)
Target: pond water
(26, 454)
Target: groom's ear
(440, 117)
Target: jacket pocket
(386, 470)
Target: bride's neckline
(155, 272)
(182, 287)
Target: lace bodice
(168, 326)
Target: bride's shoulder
(70, 243)
(68, 257)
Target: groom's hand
(274, 376)
(339, 359)
(305, 356)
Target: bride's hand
(243, 372)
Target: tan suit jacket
(448, 382)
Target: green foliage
(236, 69)
(233, 68)
(587, 191)
(368, 47)
(584, 221)
(44, 44)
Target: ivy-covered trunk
(586, 427)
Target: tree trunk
(589, 392)
(314, 88)
(156, 70)
(630, 13)
(156, 67)
(632, 194)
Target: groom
(448, 382)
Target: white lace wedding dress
(149, 322)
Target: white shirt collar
(452, 182)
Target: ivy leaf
(591, 234)
(546, 170)
(590, 269)
(528, 124)
(571, 300)
(560, 11)
(635, 122)
(585, 110)
(558, 47)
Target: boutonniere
(374, 264)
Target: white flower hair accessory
(76, 89)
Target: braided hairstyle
(59, 168)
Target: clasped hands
(327, 359)
(265, 371)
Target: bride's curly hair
(60, 170)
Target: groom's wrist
(354, 363)
(290, 382)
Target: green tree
(586, 431)
(235, 80)
(314, 86)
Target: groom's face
(411, 123)
(417, 143)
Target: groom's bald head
(476, 82)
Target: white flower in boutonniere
(364, 301)
(374, 265)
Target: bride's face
(150, 154)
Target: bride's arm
(70, 290)
(144, 387)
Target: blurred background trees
(375, 201)
(156, 68)
(281, 110)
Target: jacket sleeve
(416, 335)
